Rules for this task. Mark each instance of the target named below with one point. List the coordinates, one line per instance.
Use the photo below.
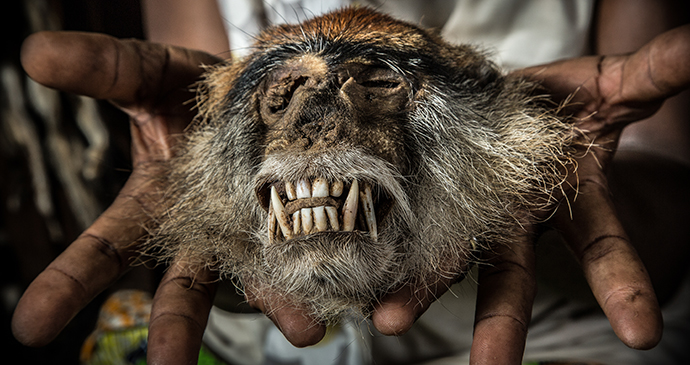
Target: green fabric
(208, 358)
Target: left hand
(608, 94)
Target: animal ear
(488, 73)
(473, 67)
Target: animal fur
(457, 156)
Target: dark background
(26, 245)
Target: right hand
(150, 82)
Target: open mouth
(310, 206)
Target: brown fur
(456, 153)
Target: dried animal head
(354, 153)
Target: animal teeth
(271, 223)
(303, 189)
(350, 207)
(320, 220)
(307, 222)
(281, 215)
(319, 188)
(337, 188)
(332, 213)
(368, 208)
(290, 190)
(296, 222)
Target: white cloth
(523, 32)
(252, 339)
(520, 32)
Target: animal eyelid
(386, 84)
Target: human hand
(150, 83)
(607, 93)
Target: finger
(89, 265)
(663, 68)
(395, 314)
(507, 287)
(573, 78)
(615, 273)
(603, 92)
(179, 314)
(126, 71)
(293, 320)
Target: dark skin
(620, 89)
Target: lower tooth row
(309, 220)
(317, 219)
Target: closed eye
(385, 84)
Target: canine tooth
(368, 207)
(281, 216)
(319, 188)
(320, 220)
(296, 223)
(303, 189)
(337, 188)
(307, 222)
(290, 190)
(333, 217)
(350, 207)
(271, 223)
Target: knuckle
(189, 285)
(595, 181)
(602, 247)
(105, 248)
(508, 268)
(78, 285)
(167, 317)
(506, 320)
(628, 295)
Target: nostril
(299, 81)
(277, 108)
(281, 92)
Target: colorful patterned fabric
(121, 332)
(120, 337)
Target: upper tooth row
(307, 219)
(318, 189)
